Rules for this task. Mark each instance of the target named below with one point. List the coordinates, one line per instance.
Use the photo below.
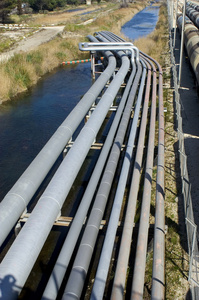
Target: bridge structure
(121, 210)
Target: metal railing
(191, 227)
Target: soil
(37, 38)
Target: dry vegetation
(25, 69)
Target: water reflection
(142, 24)
(27, 123)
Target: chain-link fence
(186, 186)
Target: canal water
(27, 123)
(142, 24)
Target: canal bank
(25, 68)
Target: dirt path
(39, 37)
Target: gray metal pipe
(140, 258)
(87, 47)
(17, 199)
(124, 46)
(182, 44)
(105, 257)
(22, 255)
(158, 275)
(80, 267)
(111, 36)
(63, 260)
(158, 265)
(123, 258)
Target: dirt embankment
(37, 38)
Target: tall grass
(24, 69)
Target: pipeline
(103, 267)
(191, 40)
(159, 231)
(80, 267)
(122, 264)
(141, 252)
(134, 71)
(31, 238)
(17, 199)
(61, 265)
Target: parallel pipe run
(105, 258)
(82, 261)
(115, 47)
(141, 252)
(158, 270)
(124, 252)
(22, 255)
(17, 199)
(124, 46)
(159, 233)
(61, 265)
(158, 276)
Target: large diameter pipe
(22, 255)
(63, 260)
(105, 257)
(17, 199)
(182, 44)
(82, 261)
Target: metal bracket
(101, 46)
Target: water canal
(26, 124)
(142, 24)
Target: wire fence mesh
(191, 227)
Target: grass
(25, 69)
